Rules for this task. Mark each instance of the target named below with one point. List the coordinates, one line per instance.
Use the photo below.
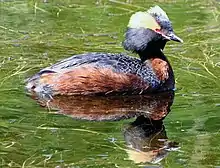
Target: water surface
(35, 34)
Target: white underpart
(29, 86)
(156, 10)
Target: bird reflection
(102, 108)
(145, 138)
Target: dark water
(35, 34)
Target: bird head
(152, 25)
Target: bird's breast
(160, 67)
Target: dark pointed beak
(173, 37)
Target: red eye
(157, 30)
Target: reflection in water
(145, 137)
(100, 108)
(147, 140)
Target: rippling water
(132, 131)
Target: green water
(35, 34)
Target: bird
(116, 73)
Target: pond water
(35, 34)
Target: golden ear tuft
(143, 20)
